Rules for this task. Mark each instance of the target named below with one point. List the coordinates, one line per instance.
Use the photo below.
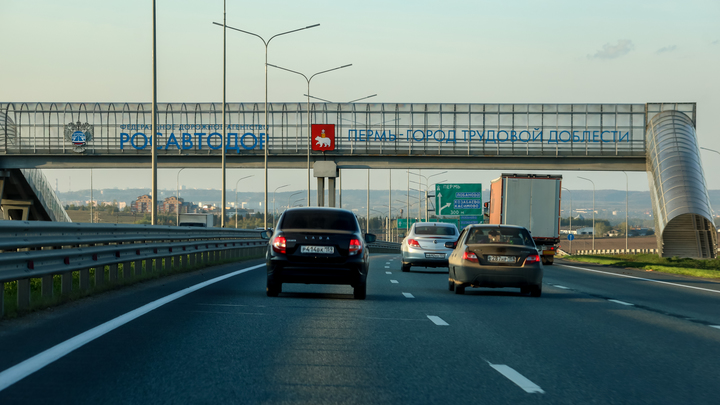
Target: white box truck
(532, 201)
(199, 220)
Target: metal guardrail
(42, 250)
(613, 252)
(384, 247)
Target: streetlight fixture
(177, 195)
(593, 226)
(296, 201)
(308, 113)
(236, 201)
(347, 102)
(570, 229)
(267, 132)
(291, 196)
(274, 212)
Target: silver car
(425, 244)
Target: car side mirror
(265, 235)
(370, 238)
(451, 245)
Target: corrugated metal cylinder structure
(683, 215)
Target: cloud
(716, 42)
(666, 49)
(609, 51)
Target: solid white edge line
(519, 380)
(37, 362)
(622, 303)
(394, 281)
(437, 320)
(408, 295)
(644, 279)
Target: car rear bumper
(420, 258)
(499, 276)
(352, 273)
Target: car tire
(550, 260)
(273, 289)
(525, 290)
(460, 289)
(360, 291)
(536, 291)
(451, 284)
(405, 267)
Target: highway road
(596, 336)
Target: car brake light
(413, 243)
(470, 256)
(532, 259)
(355, 247)
(279, 244)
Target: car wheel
(360, 291)
(536, 291)
(406, 267)
(273, 289)
(525, 290)
(543, 259)
(451, 284)
(460, 289)
(550, 260)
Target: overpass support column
(681, 206)
(321, 170)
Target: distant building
(142, 204)
(171, 205)
(585, 231)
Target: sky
(552, 51)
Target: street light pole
(291, 196)
(274, 212)
(177, 195)
(153, 136)
(308, 114)
(626, 211)
(593, 226)
(267, 132)
(223, 141)
(236, 202)
(570, 228)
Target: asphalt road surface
(596, 336)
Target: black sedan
(495, 256)
(318, 246)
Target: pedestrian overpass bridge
(658, 138)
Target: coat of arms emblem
(79, 135)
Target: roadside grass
(38, 302)
(650, 262)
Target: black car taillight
(355, 247)
(279, 245)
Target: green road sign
(458, 199)
(402, 223)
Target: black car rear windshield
(320, 220)
(435, 230)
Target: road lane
(314, 344)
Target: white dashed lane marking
(387, 267)
(561, 287)
(408, 295)
(622, 303)
(388, 272)
(520, 380)
(394, 281)
(437, 320)
(715, 326)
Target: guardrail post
(46, 286)
(99, 276)
(66, 280)
(113, 272)
(23, 293)
(127, 270)
(2, 299)
(84, 279)
(138, 267)
(193, 259)
(167, 263)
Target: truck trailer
(532, 201)
(199, 220)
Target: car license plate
(501, 259)
(434, 255)
(317, 249)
